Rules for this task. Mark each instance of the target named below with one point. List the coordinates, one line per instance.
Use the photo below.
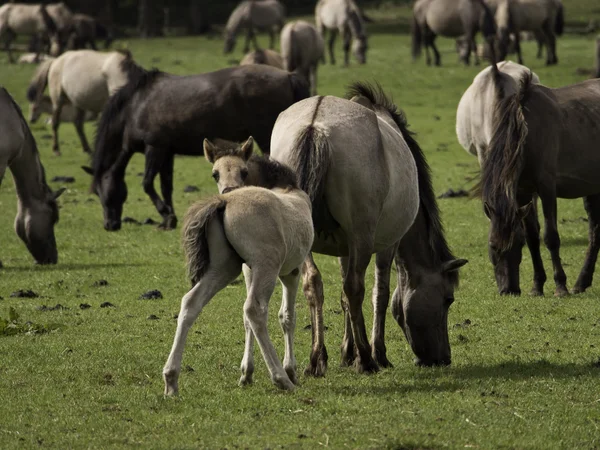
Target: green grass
(524, 371)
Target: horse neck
(28, 173)
(354, 22)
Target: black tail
(417, 38)
(559, 25)
(300, 87)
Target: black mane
(428, 203)
(274, 174)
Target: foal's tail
(195, 234)
(38, 84)
(417, 37)
(559, 25)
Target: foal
(266, 232)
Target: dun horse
(84, 79)
(163, 115)
(268, 57)
(268, 233)
(31, 20)
(37, 212)
(345, 17)
(544, 144)
(302, 49)
(450, 18)
(254, 15)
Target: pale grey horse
(254, 15)
(84, 79)
(37, 211)
(345, 17)
(302, 48)
(267, 56)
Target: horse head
(360, 47)
(111, 188)
(230, 163)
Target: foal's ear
(209, 151)
(88, 170)
(453, 265)
(247, 148)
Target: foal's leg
(287, 319)
(332, 35)
(381, 299)
(256, 310)
(552, 240)
(79, 121)
(592, 206)
(166, 189)
(532, 233)
(312, 284)
(155, 159)
(247, 366)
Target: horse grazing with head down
(544, 144)
(37, 212)
(265, 231)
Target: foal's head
(230, 163)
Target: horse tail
(559, 24)
(417, 38)
(502, 168)
(300, 88)
(38, 84)
(195, 234)
(48, 21)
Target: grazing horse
(84, 79)
(544, 17)
(85, 31)
(32, 20)
(254, 14)
(68, 112)
(544, 144)
(450, 18)
(302, 49)
(163, 115)
(267, 56)
(37, 211)
(265, 230)
(345, 17)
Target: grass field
(525, 370)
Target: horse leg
(347, 36)
(348, 354)
(166, 189)
(287, 320)
(539, 38)
(223, 270)
(248, 39)
(313, 79)
(332, 35)
(552, 239)
(271, 39)
(475, 52)
(518, 47)
(256, 310)
(56, 111)
(438, 61)
(592, 207)
(532, 233)
(9, 36)
(247, 366)
(312, 285)
(155, 158)
(550, 44)
(79, 121)
(381, 299)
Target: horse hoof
(536, 292)
(169, 223)
(366, 367)
(171, 387)
(291, 373)
(578, 289)
(245, 380)
(283, 383)
(561, 292)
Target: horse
(302, 49)
(345, 17)
(32, 20)
(37, 212)
(266, 231)
(85, 31)
(268, 57)
(254, 14)
(544, 144)
(84, 79)
(68, 112)
(450, 18)
(163, 115)
(544, 17)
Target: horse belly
(443, 21)
(89, 96)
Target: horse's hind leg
(312, 284)
(9, 36)
(347, 36)
(550, 44)
(532, 233)
(287, 320)
(332, 35)
(552, 239)
(381, 299)
(436, 53)
(155, 160)
(592, 207)
(79, 121)
(518, 48)
(166, 188)
(56, 111)
(247, 366)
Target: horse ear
(88, 170)
(58, 193)
(488, 210)
(453, 265)
(247, 148)
(209, 151)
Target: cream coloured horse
(344, 17)
(84, 79)
(37, 212)
(302, 48)
(267, 233)
(266, 56)
(254, 15)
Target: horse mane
(503, 165)
(428, 203)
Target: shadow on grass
(52, 268)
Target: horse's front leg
(381, 299)
(518, 47)
(247, 366)
(56, 112)
(287, 320)
(155, 159)
(9, 36)
(475, 52)
(312, 284)
(532, 234)
(166, 188)
(436, 53)
(347, 36)
(79, 121)
(592, 207)
(332, 35)
(552, 239)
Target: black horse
(163, 115)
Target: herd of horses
(325, 158)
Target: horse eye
(244, 174)
(215, 175)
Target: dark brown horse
(163, 115)
(545, 144)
